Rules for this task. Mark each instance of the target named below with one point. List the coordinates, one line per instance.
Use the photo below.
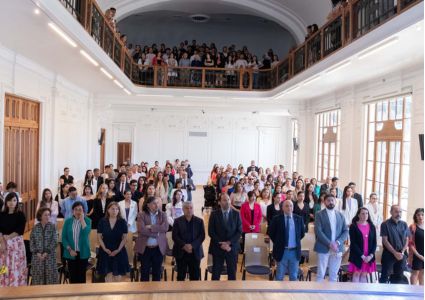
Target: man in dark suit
(324, 188)
(224, 229)
(188, 185)
(99, 179)
(286, 232)
(121, 185)
(188, 236)
(252, 167)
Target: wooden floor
(250, 290)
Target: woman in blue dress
(112, 235)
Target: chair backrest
(257, 256)
(254, 240)
(305, 254)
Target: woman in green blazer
(76, 243)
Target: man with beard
(331, 232)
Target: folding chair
(257, 262)
(252, 240)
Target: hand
(334, 246)
(421, 257)
(188, 248)
(72, 253)
(228, 248)
(252, 227)
(113, 253)
(399, 255)
(108, 251)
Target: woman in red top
(251, 216)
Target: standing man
(356, 195)
(121, 185)
(188, 236)
(224, 229)
(331, 232)
(252, 167)
(286, 232)
(324, 188)
(97, 179)
(66, 178)
(188, 185)
(395, 239)
(334, 184)
(66, 206)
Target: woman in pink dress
(362, 246)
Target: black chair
(313, 270)
(63, 267)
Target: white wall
(352, 149)
(231, 138)
(65, 116)
(241, 30)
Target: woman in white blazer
(348, 205)
(128, 210)
(375, 211)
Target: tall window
(295, 143)
(388, 151)
(328, 125)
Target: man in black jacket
(224, 229)
(356, 195)
(188, 236)
(286, 232)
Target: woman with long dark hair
(61, 196)
(310, 199)
(47, 201)
(175, 208)
(362, 246)
(416, 247)
(348, 205)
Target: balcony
(349, 23)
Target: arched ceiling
(293, 15)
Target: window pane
(371, 131)
(379, 111)
(407, 107)
(371, 112)
(405, 176)
(369, 174)
(393, 109)
(406, 130)
(385, 110)
(399, 114)
(406, 152)
(370, 150)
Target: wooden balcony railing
(352, 21)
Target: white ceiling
(293, 15)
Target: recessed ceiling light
(37, 11)
(106, 73)
(89, 58)
(62, 34)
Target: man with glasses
(250, 185)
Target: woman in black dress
(302, 209)
(112, 236)
(416, 248)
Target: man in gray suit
(331, 232)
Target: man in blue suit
(286, 232)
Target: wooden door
(102, 149)
(21, 150)
(124, 153)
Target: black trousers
(77, 269)
(188, 264)
(151, 259)
(231, 263)
(390, 265)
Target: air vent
(199, 18)
(197, 133)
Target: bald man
(286, 232)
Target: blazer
(157, 231)
(118, 195)
(189, 188)
(246, 217)
(277, 233)
(100, 181)
(132, 215)
(198, 237)
(98, 212)
(219, 233)
(356, 244)
(83, 241)
(322, 229)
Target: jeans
(288, 264)
(151, 258)
(331, 260)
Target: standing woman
(302, 209)
(299, 187)
(238, 197)
(362, 246)
(112, 237)
(76, 244)
(150, 192)
(348, 205)
(310, 199)
(161, 189)
(61, 196)
(88, 196)
(128, 210)
(47, 201)
(274, 208)
(43, 241)
(12, 248)
(229, 188)
(416, 248)
(264, 201)
(89, 180)
(111, 189)
(375, 211)
(316, 187)
(100, 203)
(175, 208)
(250, 216)
(151, 242)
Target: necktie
(184, 183)
(122, 188)
(226, 218)
(287, 231)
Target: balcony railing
(350, 22)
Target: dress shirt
(332, 221)
(66, 206)
(76, 228)
(151, 240)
